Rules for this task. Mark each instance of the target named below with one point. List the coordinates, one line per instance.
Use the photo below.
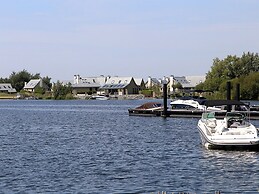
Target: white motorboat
(99, 97)
(191, 105)
(234, 131)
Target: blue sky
(140, 38)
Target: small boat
(150, 106)
(147, 109)
(234, 131)
(99, 97)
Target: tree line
(242, 70)
(58, 91)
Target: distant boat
(234, 131)
(99, 97)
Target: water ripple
(95, 147)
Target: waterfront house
(140, 83)
(120, 86)
(7, 88)
(153, 82)
(155, 86)
(34, 84)
(188, 83)
(87, 85)
(195, 80)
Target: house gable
(140, 83)
(33, 84)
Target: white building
(33, 84)
(7, 88)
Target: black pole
(228, 95)
(238, 92)
(165, 100)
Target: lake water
(95, 147)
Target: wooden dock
(159, 111)
(178, 113)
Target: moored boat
(150, 106)
(190, 104)
(99, 97)
(234, 131)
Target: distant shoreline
(7, 97)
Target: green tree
(177, 86)
(18, 79)
(236, 69)
(46, 81)
(61, 92)
(4, 80)
(250, 86)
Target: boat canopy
(149, 105)
(223, 102)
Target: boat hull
(228, 144)
(234, 147)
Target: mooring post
(238, 92)
(165, 114)
(228, 95)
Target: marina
(194, 109)
(181, 113)
(129, 97)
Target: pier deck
(177, 113)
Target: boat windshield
(235, 115)
(235, 119)
(210, 115)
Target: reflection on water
(234, 171)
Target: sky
(139, 38)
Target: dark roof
(222, 102)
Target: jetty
(177, 113)
(163, 111)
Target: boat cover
(223, 102)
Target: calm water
(95, 147)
